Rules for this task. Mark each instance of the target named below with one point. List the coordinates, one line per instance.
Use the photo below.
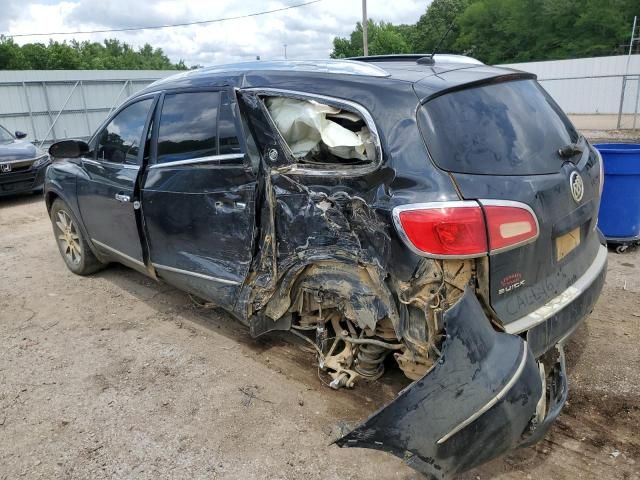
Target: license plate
(566, 243)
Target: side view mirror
(20, 134)
(69, 149)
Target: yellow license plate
(566, 243)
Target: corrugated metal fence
(605, 90)
(52, 105)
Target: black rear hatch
(500, 139)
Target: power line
(172, 25)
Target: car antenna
(429, 59)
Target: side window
(187, 127)
(322, 134)
(119, 141)
(227, 134)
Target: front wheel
(72, 245)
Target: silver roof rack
(415, 57)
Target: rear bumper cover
(479, 400)
(557, 319)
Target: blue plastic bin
(619, 217)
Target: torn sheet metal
(474, 404)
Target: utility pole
(365, 24)
(633, 34)
(633, 38)
(285, 51)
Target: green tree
(434, 23)
(503, 31)
(500, 31)
(74, 55)
(11, 57)
(384, 38)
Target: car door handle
(121, 197)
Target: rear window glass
(509, 128)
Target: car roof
(430, 76)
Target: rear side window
(509, 128)
(228, 142)
(322, 134)
(187, 126)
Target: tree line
(112, 54)
(504, 31)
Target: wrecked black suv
(431, 212)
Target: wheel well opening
(49, 198)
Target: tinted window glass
(229, 142)
(511, 128)
(188, 126)
(119, 142)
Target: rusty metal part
(384, 329)
(412, 365)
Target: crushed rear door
(501, 140)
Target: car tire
(72, 245)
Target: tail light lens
(509, 224)
(465, 229)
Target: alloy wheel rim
(68, 237)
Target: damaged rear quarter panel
(344, 216)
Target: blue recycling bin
(619, 217)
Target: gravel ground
(116, 376)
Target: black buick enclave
(22, 164)
(429, 212)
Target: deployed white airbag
(305, 124)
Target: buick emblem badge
(577, 186)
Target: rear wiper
(572, 149)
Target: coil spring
(370, 360)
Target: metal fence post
(624, 86)
(635, 111)
(84, 106)
(33, 125)
(46, 101)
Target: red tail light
(463, 229)
(509, 224)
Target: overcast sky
(308, 31)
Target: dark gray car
(22, 164)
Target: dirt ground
(116, 376)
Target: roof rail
(416, 57)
